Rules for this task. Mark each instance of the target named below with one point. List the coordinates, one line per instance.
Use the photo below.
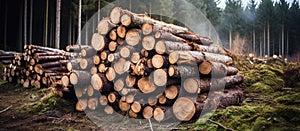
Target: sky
(245, 2)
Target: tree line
(262, 28)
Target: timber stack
(138, 67)
(145, 68)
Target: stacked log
(138, 64)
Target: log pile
(135, 66)
(146, 68)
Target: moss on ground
(267, 104)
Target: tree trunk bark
(25, 22)
(282, 40)
(79, 23)
(46, 23)
(57, 30)
(268, 26)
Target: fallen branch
(7, 108)
(220, 125)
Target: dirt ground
(18, 117)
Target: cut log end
(160, 77)
(133, 37)
(171, 92)
(147, 28)
(115, 15)
(98, 42)
(148, 42)
(121, 31)
(125, 20)
(160, 47)
(191, 85)
(184, 109)
(158, 114)
(148, 112)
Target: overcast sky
(245, 2)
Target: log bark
(100, 82)
(196, 38)
(87, 51)
(182, 71)
(104, 26)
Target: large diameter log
(184, 109)
(126, 51)
(104, 26)
(98, 42)
(86, 63)
(148, 112)
(159, 61)
(80, 77)
(159, 77)
(197, 85)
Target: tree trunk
(282, 39)
(230, 39)
(254, 41)
(46, 24)
(79, 23)
(268, 33)
(5, 26)
(264, 49)
(99, 7)
(25, 22)
(30, 23)
(57, 30)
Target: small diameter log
(73, 48)
(159, 77)
(41, 59)
(168, 46)
(218, 58)
(136, 107)
(112, 46)
(148, 112)
(133, 37)
(135, 57)
(73, 65)
(147, 28)
(45, 48)
(124, 106)
(158, 114)
(182, 71)
(121, 31)
(168, 36)
(92, 103)
(86, 63)
(113, 34)
(216, 69)
(126, 51)
(132, 114)
(88, 51)
(81, 104)
(100, 82)
(113, 57)
(121, 66)
(196, 85)
(102, 68)
(110, 74)
(196, 38)
(152, 100)
(103, 100)
(108, 110)
(104, 26)
(80, 76)
(148, 43)
(125, 20)
(146, 86)
(172, 92)
(65, 80)
(103, 55)
(90, 90)
(98, 42)
(119, 84)
(113, 97)
(130, 80)
(187, 57)
(96, 60)
(159, 61)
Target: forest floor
(271, 102)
